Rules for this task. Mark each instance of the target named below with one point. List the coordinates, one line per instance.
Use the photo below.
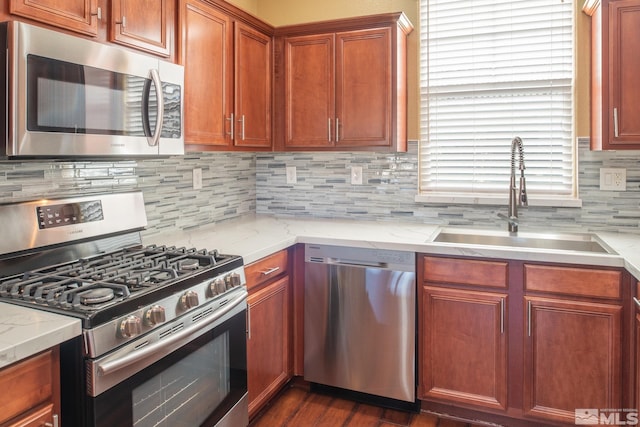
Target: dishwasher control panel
(364, 257)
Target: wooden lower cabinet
(572, 357)
(268, 359)
(31, 391)
(524, 344)
(466, 329)
(269, 324)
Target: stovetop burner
(97, 296)
(93, 283)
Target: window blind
(491, 70)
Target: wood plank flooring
(298, 407)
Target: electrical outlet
(613, 179)
(292, 176)
(356, 175)
(197, 178)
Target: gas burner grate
(95, 282)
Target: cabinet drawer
(573, 281)
(37, 418)
(29, 383)
(266, 268)
(465, 272)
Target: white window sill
(500, 200)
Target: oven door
(199, 379)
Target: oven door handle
(111, 366)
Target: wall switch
(292, 176)
(613, 179)
(356, 175)
(197, 178)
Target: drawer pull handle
(269, 271)
(636, 301)
(55, 422)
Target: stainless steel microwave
(69, 97)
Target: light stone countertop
(254, 237)
(26, 331)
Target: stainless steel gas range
(163, 340)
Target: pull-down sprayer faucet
(512, 219)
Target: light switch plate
(356, 175)
(197, 178)
(292, 176)
(613, 179)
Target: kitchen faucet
(512, 219)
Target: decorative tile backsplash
(236, 184)
(228, 191)
(390, 184)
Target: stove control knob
(217, 287)
(130, 327)
(189, 300)
(232, 280)
(155, 315)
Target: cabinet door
(143, 24)
(624, 30)
(75, 15)
(572, 357)
(268, 358)
(463, 344)
(34, 385)
(363, 88)
(252, 87)
(205, 49)
(309, 91)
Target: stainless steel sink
(563, 242)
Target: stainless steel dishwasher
(360, 320)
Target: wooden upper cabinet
(208, 78)
(363, 88)
(228, 77)
(143, 24)
(615, 65)
(343, 84)
(309, 91)
(80, 16)
(252, 100)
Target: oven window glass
(184, 393)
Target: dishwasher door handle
(357, 263)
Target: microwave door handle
(153, 139)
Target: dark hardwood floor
(296, 406)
